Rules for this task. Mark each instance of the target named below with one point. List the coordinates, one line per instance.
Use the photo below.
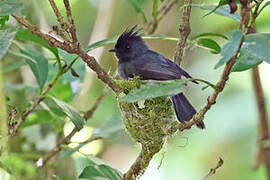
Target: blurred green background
(231, 125)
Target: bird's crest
(129, 34)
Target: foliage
(51, 92)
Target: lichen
(150, 125)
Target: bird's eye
(127, 47)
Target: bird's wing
(152, 65)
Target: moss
(149, 125)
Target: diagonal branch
(211, 100)
(72, 48)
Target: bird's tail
(184, 110)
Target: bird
(135, 58)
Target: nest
(149, 124)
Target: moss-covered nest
(150, 122)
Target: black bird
(136, 59)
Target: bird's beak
(113, 50)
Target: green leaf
(26, 35)
(42, 116)
(3, 20)
(258, 44)
(209, 34)
(255, 49)
(221, 3)
(71, 112)
(62, 90)
(210, 44)
(101, 43)
(137, 5)
(6, 37)
(102, 171)
(230, 48)
(38, 64)
(264, 6)
(8, 7)
(148, 91)
(113, 40)
(245, 61)
(223, 11)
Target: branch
(184, 31)
(161, 13)
(211, 100)
(139, 165)
(66, 140)
(263, 130)
(13, 127)
(213, 170)
(72, 27)
(71, 48)
(58, 15)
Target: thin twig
(13, 131)
(73, 49)
(72, 27)
(58, 15)
(66, 140)
(184, 31)
(161, 13)
(213, 170)
(90, 112)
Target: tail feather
(184, 110)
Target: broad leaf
(71, 112)
(255, 49)
(148, 91)
(42, 116)
(259, 45)
(230, 48)
(38, 64)
(6, 37)
(223, 11)
(209, 34)
(26, 35)
(245, 60)
(210, 44)
(8, 7)
(97, 172)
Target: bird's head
(129, 45)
